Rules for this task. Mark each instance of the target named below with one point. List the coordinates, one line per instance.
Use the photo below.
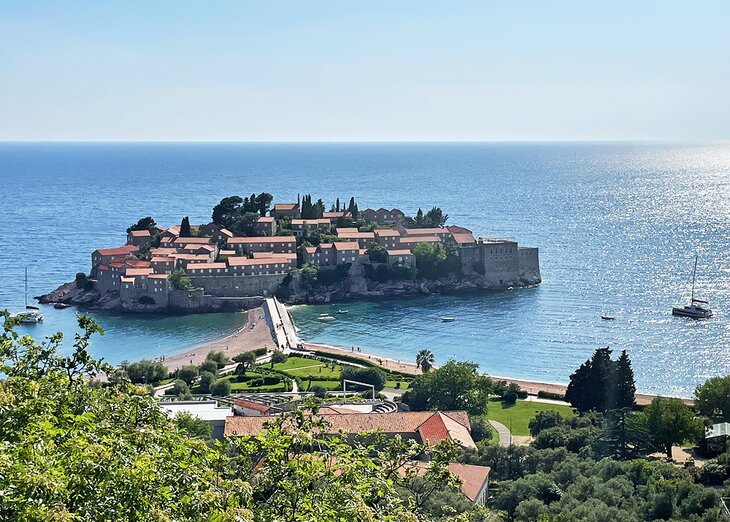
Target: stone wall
(235, 286)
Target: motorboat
(61, 306)
(325, 317)
(607, 317)
(697, 308)
(341, 312)
(448, 319)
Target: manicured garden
(517, 416)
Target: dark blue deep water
(617, 225)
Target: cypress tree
(185, 228)
(337, 205)
(578, 393)
(603, 391)
(351, 206)
(419, 218)
(625, 385)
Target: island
(298, 252)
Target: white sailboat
(696, 309)
(31, 315)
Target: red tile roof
(398, 422)
(127, 249)
(130, 272)
(458, 230)
(262, 239)
(346, 230)
(473, 478)
(399, 252)
(244, 261)
(346, 245)
(463, 239)
(425, 231)
(265, 219)
(206, 266)
(440, 427)
(274, 255)
(414, 240)
(251, 405)
(310, 222)
(192, 240)
(158, 276)
(386, 232)
(286, 206)
(140, 233)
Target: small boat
(61, 306)
(607, 317)
(343, 312)
(697, 308)
(325, 317)
(31, 315)
(448, 319)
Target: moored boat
(325, 317)
(697, 308)
(448, 319)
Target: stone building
(302, 226)
(285, 210)
(276, 244)
(105, 255)
(265, 226)
(382, 216)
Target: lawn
(330, 385)
(521, 413)
(302, 367)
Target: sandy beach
(531, 387)
(255, 333)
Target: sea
(618, 226)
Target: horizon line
(366, 141)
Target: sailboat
(696, 309)
(31, 315)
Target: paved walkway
(503, 432)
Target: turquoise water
(617, 225)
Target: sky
(344, 70)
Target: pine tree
(185, 228)
(578, 393)
(602, 375)
(624, 382)
(419, 218)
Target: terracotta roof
(310, 222)
(226, 232)
(274, 255)
(400, 252)
(286, 206)
(439, 428)
(137, 271)
(162, 251)
(458, 230)
(386, 232)
(356, 235)
(192, 240)
(158, 276)
(265, 219)
(205, 266)
(244, 261)
(251, 405)
(341, 213)
(463, 238)
(191, 257)
(398, 422)
(419, 239)
(346, 245)
(127, 249)
(193, 246)
(310, 250)
(140, 233)
(473, 478)
(346, 230)
(162, 259)
(174, 230)
(262, 239)
(425, 231)
(127, 279)
(227, 252)
(102, 267)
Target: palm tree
(425, 360)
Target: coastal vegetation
(109, 452)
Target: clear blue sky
(365, 70)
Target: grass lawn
(521, 413)
(330, 385)
(302, 368)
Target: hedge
(551, 395)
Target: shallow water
(617, 225)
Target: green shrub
(220, 388)
(206, 379)
(319, 391)
(551, 395)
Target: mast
(26, 287)
(694, 275)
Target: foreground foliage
(75, 450)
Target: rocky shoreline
(352, 287)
